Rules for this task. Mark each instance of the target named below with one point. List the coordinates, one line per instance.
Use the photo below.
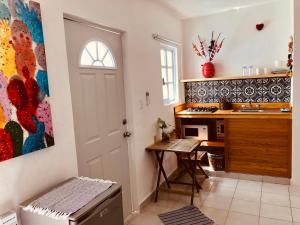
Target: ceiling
(195, 8)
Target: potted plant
(208, 53)
(164, 133)
(290, 62)
(224, 104)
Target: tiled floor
(233, 202)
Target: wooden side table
(187, 148)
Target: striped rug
(188, 215)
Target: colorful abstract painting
(25, 114)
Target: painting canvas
(25, 114)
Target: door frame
(128, 103)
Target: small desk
(182, 148)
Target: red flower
(6, 146)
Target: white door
(97, 87)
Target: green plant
(161, 124)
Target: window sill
(171, 104)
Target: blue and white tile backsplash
(262, 90)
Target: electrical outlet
(9, 218)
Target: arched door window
(97, 54)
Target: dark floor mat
(188, 215)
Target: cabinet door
(259, 146)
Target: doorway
(98, 99)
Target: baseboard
(131, 216)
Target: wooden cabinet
(258, 146)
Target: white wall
(244, 45)
(296, 100)
(23, 177)
(139, 19)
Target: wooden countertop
(267, 114)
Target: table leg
(160, 162)
(194, 164)
(161, 170)
(202, 170)
(189, 170)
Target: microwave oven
(199, 132)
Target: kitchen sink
(249, 110)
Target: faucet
(257, 106)
(250, 104)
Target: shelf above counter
(234, 78)
(216, 144)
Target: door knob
(127, 134)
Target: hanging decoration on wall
(290, 62)
(208, 53)
(25, 114)
(260, 26)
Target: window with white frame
(169, 74)
(97, 54)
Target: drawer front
(109, 213)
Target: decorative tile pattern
(261, 90)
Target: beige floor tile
(253, 196)
(162, 196)
(222, 191)
(226, 182)
(167, 204)
(275, 188)
(220, 173)
(276, 199)
(217, 215)
(276, 180)
(295, 190)
(145, 219)
(202, 196)
(211, 173)
(250, 177)
(296, 215)
(282, 180)
(235, 218)
(208, 184)
(233, 202)
(249, 185)
(161, 206)
(217, 202)
(268, 179)
(246, 207)
(230, 175)
(267, 221)
(295, 201)
(276, 212)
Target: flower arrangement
(163, 126)
(290, 62)
(224, 104)
(208, 53)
